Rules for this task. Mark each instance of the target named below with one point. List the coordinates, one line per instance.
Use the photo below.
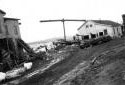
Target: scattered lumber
(93, 42)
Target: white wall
(117, 31)
(95, 29)
(101, 28)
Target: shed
(12, 27)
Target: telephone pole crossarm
(63, 21)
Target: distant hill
(50, 40)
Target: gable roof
(105, 22)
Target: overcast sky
(32, 11)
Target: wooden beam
(64, 30)
(50, 20)
(62, 20)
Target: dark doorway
(105, 32)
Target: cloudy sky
(32, 11)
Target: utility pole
(63, 21)
(64, 29)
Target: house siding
(2, 30)
(9, 28)
(117, 31)
(97, 28)
(13, 28)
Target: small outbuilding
(11, 45)
(9, 27)
(97, 28)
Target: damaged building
(11, 45)
(96, 28)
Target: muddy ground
(107, 69)
(78, 69)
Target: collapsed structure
(11, 45)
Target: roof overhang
(100, 24)
(6, 18)
(82, 25)
(2, 12)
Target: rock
(28, 65)
(15, 72)
(2, 76)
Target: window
(6, 28)
(90, 25)
(0, 28)
(93, 35)
(86, 37)
(100, 33)
(16, 30)
(117, 29)
(87, 26)
(105, 32)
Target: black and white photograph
(62, 42)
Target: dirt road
(107, 69)
(74, 58)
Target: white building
(96, 28)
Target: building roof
(105, 22)
(5, 18)
(2, 11)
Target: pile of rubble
(15, 72)
(94, 42)
(53, 58)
